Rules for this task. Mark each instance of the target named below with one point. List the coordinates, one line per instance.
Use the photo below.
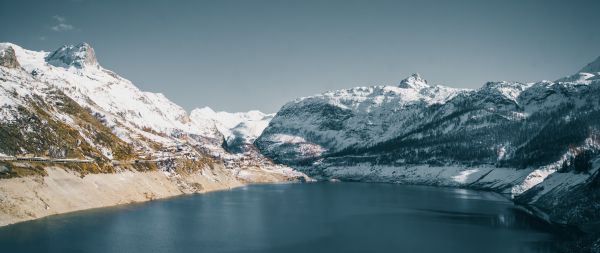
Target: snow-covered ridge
(336, 118)
(103, 90)
(246, 125)
(538, 140)
(133, 115)
(509, 90)
(365, 116)
(412, 89)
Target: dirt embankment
(62, 190)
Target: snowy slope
(240, 128)
(105, 93)
(150, 122)
(522, 137)
(378, 118)
(37, 118)
(359, 116)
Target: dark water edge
(575, 239)
(316, 217)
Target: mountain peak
(8, 57)
(592, 67)
(414, 81)
(79, 56)
(203, 112)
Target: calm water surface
(319, 217)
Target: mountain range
(537, 142)
(64, 104)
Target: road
(73, 160)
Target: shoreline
(522, 187)
(167, 198)
(160, 185)
(63, 191)
(525, 208)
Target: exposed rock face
(414, 81)
(79, 56)
(8, 58)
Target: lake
(310, 217)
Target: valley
(76, 136)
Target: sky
(238, 55)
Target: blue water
(318, 217)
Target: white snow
(534, 178)
(133, 115)
(481, 176)
(376, 113)
(462, 176)
(247, 125)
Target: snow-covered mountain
(538, 141)
(65, 104)
(74, 135)
(395, 120)
(240, 129)
(146, 120)
(362, 116)
(520, 137)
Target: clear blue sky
(250, 54)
